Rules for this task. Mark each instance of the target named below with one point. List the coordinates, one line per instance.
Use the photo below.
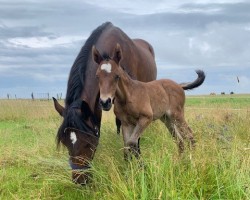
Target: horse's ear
(86, 112)
(96, 55)
(117, 54)
(60, 109)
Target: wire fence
(33, 96)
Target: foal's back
(158, 97)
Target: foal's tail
(196, 83)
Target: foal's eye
(97, 77)
(117, 77)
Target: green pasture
(218, 168)
(227, 101)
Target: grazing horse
(137, 103)
(80, 128)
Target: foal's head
(108, 74)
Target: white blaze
(73, 137)
(106, 67)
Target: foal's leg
(180, 130)
(181, 127)
(118, 125)
(186, 131)
(138, 145)
(172, 131)
(126, 133)
(134, 139)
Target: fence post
(32, 96)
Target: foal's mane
(77, 73)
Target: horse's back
(144, 46)
(147, 59)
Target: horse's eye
(97, 77)
(117, 77)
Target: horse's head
(80, 134)
(108, 75)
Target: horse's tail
(196, 83)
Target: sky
(39, 41)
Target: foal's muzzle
(106, 104)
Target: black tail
(196, 83)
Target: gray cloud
(40, 39)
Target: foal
(137, 103)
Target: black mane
(72, 119)
(77, 72)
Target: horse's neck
(125, 87)
(90, 89)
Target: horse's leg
(118, 125)
(142, 123)
(126, 133)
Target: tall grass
(218, 168)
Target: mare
(138, 103)
(80, 128)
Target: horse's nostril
(109, 100)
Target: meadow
(218, 168)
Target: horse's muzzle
(80, 174)
(81, 178)
(106, 104)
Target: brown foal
(137, 103)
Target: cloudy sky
(39, 40)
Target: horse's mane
(77, 72)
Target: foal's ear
(96, 55)
(60, 109)
(86, 112)
(117, 54)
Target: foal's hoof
(134, 149)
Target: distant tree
(232, 92)
(223, 93)
(212, 93)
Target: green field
(219, 168)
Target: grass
(32, 168)
(228, 101)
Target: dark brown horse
(79, 131)
(137, 103)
